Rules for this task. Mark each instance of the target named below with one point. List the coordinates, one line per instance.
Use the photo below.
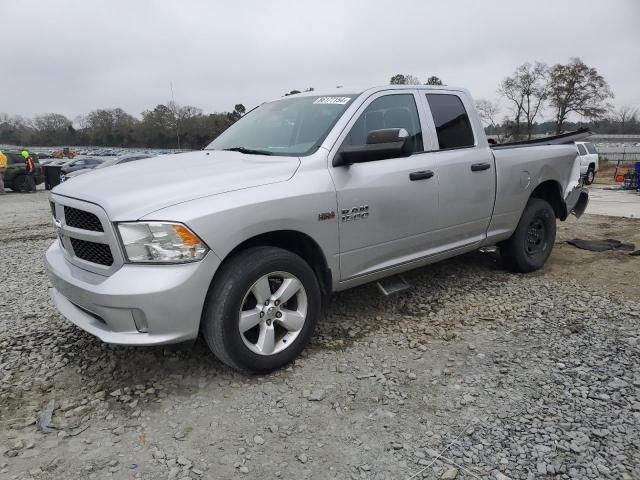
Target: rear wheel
(261, 310)
(590, 176)
(531, 243)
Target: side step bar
(394, 284)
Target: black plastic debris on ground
(603, 245)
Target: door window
(452, 122)
(581, 149)
(389, 111)
(14, 158)
(590, 148)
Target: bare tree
(52, 126)
(580, 89)
(625, 115)
(527, 89)
(488, 111)
(412, 80)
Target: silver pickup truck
(303, 196)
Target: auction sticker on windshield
(333, 100)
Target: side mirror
(381, 144)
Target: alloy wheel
(273, 313)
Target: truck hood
(132, 190)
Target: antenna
(173, 100)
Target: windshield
(291, 126)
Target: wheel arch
(296, 242)
(551, 192)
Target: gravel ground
(473, 373)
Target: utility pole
(173, 100)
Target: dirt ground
(613, 272)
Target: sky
(71, 57)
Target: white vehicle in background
(588, 161)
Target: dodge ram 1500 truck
(303, 196)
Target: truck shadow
(354, 314)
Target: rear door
(466, 171)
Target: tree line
(165, 126)
(563, 90)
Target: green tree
(433, 80)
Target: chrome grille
(82, 219)
(93, 252)
(86, 235)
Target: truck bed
(564, 138)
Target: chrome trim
(66, 232)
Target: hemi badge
(326, 216)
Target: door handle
(477, 167)
(423, 175)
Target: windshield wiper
(248, 151)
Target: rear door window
(452, 122)
(581, 149)
(590, 148)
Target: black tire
(20, 184)
(590, 176)
(532, 242)
(228, 292)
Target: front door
(387, 207)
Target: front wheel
(531, 243)
(261, 310)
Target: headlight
(160, 242)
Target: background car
(14, 176)
(588, 161)
(107, 163)
(47, 161)
(80, 163)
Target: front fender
(227, 220)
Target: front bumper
(137, 304)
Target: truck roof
(357, 90)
